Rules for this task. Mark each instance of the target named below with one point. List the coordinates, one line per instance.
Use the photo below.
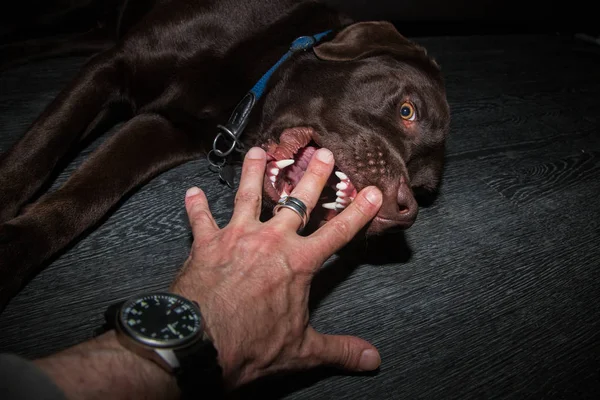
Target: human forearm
(102, 368)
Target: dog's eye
(407, 112)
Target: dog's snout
(399, 209)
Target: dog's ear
(364, 39)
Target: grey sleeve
(21, 379)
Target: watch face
(161, 319)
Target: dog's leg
(145, 146)
(31, 160)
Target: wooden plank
(491, 294)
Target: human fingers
(347, 352)
(199, 215)
(343, 227)
(248, 198)
(308, 189)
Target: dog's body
(180, 71)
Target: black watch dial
(161, 319)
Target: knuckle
(364, 208)
(233, 233)
(254, 166)
(245, 245)
(346, 359)
(320, 170)
(247, 196)
(200, 217)
(196, 207)
(341, 228)
(273, 235)
(198, 212)
(306, 261)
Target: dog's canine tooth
(273, 179)
(281, 164)
(341, 175)
(330, 206)
(274, 171)
(342, 186)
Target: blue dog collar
(301, 43)
(230, 132)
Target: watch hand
(172, 329)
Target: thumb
(347, 352)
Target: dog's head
(378, 102)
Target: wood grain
(495, 294)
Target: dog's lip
(390, 224)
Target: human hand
(252, 279)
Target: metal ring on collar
(295, 205)
(231, 137)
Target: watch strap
(199, 374)
(110, 318)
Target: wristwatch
(168, 329)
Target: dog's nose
(399, 209)
(407, 205)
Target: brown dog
(364, 91)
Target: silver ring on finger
(294, 204)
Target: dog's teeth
(341, 175)
(340, 193)
(330, 206)
(341, 200)
(281, 164)
(273, 184)
(284, 193)
(273, 179)
(342, 186)
(274, 171)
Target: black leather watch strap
(110, 318)
(200, 376)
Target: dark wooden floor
(495, 295)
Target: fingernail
(192, 191)
(369, 360)
(324, 155)
(255, 153)
(373, 195)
